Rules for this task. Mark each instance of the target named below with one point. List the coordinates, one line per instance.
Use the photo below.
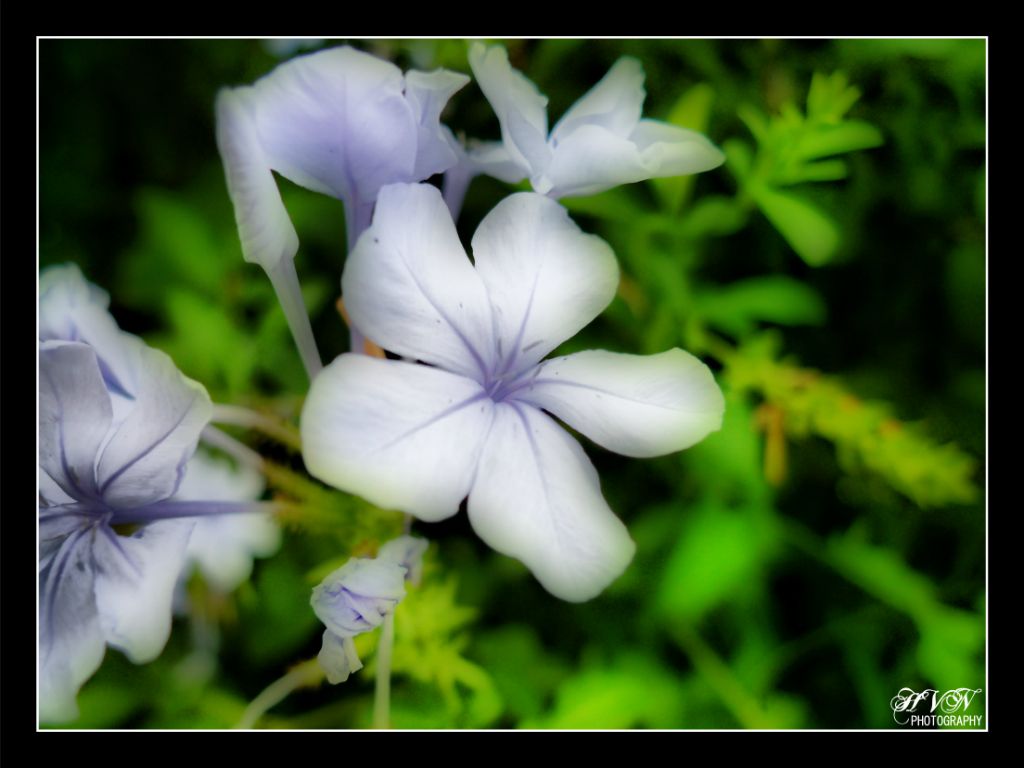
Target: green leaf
(728, 462)
(848, 136)
(811, 233)
(826, 170)
(524, 673)
(739, 158)
(712, 216)
(830, 97)
(737, 308)
(634, 690)
(719, 553)
(175, 244)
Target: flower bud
(356, 597)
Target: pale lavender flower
(472, 421)
(117, 425)
(340, 122)
(357, 597)
(600, 142)
(104, 461)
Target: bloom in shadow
(111, 545)
(474, 419)
(599, 143)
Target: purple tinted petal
(74, 416)
(135, 578)
(537, 498)
(145, 457)
(71, 644)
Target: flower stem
(358, 217)
(306, 674)
(236, 449)
(382, 693)
(740, 702)
(239, 416)
(286, 286)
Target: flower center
(501, 387)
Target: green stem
(239, 416)
(308, 673)
(382, 693)
(736, 698)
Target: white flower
(223, 546)
(599, 143)
(340, 122)
(472, 422)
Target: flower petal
(592, 158)
(614, 103)
(409, 286)
(637, 405)
(537, 498)
(520, 107)
(546, 279)
(145, 458)
(338, 657)
(428, 93)
(491, 158)
(668, 150)
(71, 643)
(135, 578)
(403, 436)
(407, 551)
(337, 122)
(266, 232)
(74, 416)
(73, 309)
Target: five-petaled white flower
(471, 421)
(599, 143)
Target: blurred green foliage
(796, 569)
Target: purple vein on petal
(60, 437)
(58, 564)
(148, 449)
(436, 418)
(115, 540)
(444, 316)
(515, 352)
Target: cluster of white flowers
(469, 410)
